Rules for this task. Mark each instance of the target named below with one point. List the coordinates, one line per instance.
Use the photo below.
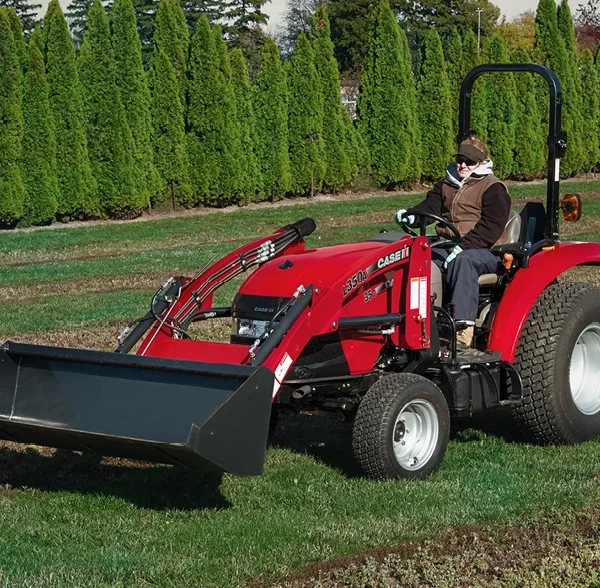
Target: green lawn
(75, 520)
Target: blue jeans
(462, 275)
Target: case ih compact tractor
(360, 329)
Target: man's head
(471, 154)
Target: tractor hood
(321, 267)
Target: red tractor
(360, 329)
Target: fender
(526, 287)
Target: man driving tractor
(477, 203)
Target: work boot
(464, 338)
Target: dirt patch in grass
(562, 549)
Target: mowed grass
(78, 520)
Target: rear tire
(401, 428)
(558, 356)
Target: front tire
(401, 428)
(558, 357)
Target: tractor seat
(512, 234)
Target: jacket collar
(452, 177)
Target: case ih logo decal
(356, 280)
(359, 277)
(393, 257)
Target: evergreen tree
(444, 16)
(297, 18)
(456, 74)
(433, 100)
(384, 102)
(145, 16)
(110, 144)
(194, 9)
(135, 97)
(350, 26)
(233, 185)
(246, 18)
(270, 102)
(597, 68)
(338, 168)
(471, 59)
(27, 13)
(77, 13)
(250, 171)
(12, 190)
(530, 136)
(305, 120)
(590, 92)
(549, 49)
(38, 161)
(20, 44)
(213, 140)
(355, 146)
(572, 98)
(501, 110)
(172, 36)
(412, 129)
(76, 182)
(168, 133)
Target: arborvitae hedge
(213, 141)
(12, 190)
(338, 168)
(530, 137)
(412, 127)
(478, 98)
(270, 102)
(20, 44)
(76, 182)
(383, 109)
(501, 109)
(597, 68)
(38, 162)
(172, 36)
(168, 132)
(549, 49)
(248, 164)
(572, 101)
(233, 184)
(590, 92)
(135, 96)
(456, 74)
(110, 144)
(205, 117)
(433, 103)
(305, 120)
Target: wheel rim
(584, 373)
(415, 434)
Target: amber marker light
(571, 207)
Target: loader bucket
(199, 415)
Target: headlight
(249, 327)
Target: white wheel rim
(584, 372)
(415, 434)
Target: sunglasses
(467, 162)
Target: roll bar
(557, 138)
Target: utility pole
(479, 11)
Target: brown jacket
(479, 209)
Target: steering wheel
(422, 225)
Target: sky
(276, 8)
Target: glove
(455, 252)
(402, 218)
